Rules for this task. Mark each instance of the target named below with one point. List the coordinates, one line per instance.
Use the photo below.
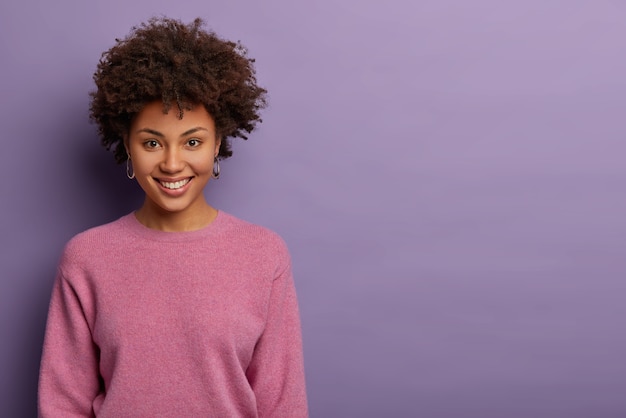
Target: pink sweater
(145, 323)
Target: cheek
(143, 165)
(202, 164)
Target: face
(173, 158)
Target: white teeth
(175, 185)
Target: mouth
(174, 185)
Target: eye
(151, 143)
(193, 142)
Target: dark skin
(182, 66)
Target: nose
(172, 161)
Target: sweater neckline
(132, 224)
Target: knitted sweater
(145, 323)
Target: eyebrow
(159, 134)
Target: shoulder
(95, 242)
(239, 228)
(251, 237)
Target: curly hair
(164, 59)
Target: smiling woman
(173, 159)
(136, 329)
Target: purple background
(448, 175)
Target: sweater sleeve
(68, 377)
(276, 372)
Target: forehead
(153, 116)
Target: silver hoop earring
(216, 168)
(128, 170)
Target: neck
(189, 220)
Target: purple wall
(448, 174)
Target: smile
(174, 185)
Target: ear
(125, 139)
(218, 142)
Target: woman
(177, 309)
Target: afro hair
(178, 64)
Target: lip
(173, 192)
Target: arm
(68, 378)
(276, 372)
